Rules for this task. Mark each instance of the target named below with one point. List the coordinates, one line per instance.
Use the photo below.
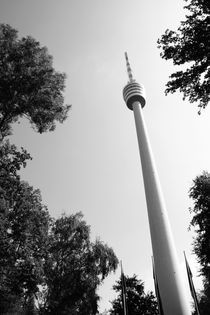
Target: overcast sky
(91, 162)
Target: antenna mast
(130, 75)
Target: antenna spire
(129, 69)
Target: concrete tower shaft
(171, 288)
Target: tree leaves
(29, 85)
(138, 302)
(75, 268)
(52, 260)
(24, 228)
(190, 46)
(200, 193)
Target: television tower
(171, 289)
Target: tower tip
(130, 76)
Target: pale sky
(91, 162)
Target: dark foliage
(29, 85)
(50, 261)
(190, 46)
(47, 266)
(200, 193)
(24, 225)
(138, 302)
(75, 268)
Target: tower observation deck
(133, 91)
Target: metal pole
(123, 284)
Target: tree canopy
(47, 265)
(51, 261)
(75, 268)
(200, 194)
(138, 302)
(190, 46)
(24, 223)
(29, 85)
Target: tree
(138, 302)
(43, 259)
(75, 268)
(29, 85)
(200, 193)
(24, 224)
(11, 161)
(190, 46)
